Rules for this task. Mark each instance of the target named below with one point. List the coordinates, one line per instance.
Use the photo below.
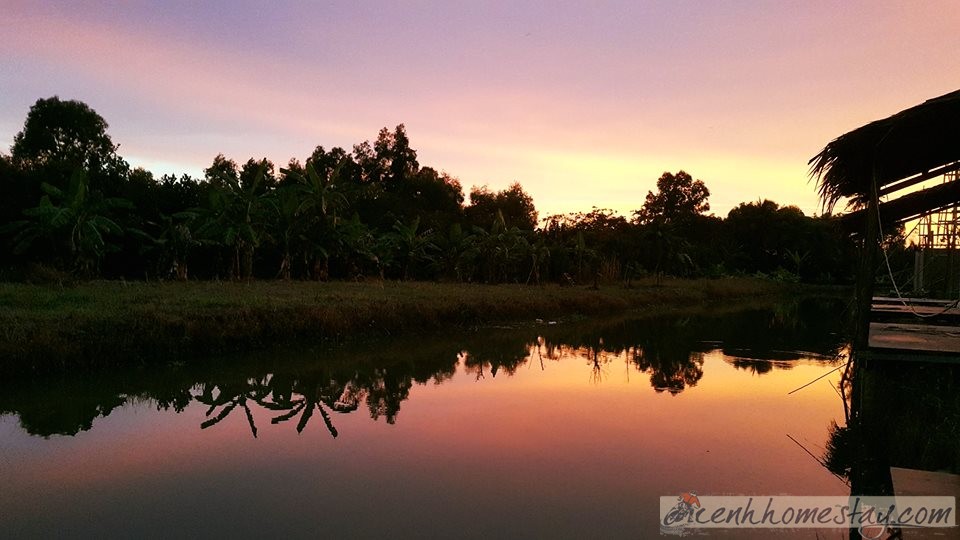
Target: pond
(544, 430)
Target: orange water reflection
(562, 444)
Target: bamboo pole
(867, 270)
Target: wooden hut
(882, 158)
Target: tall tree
(678, 197)
(262, 168)
(63, 132)
(513, 205)
(222, 172)
(60, 136)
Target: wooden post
(867, 270)
(918, 260)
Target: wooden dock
(911, 482)
(897, 333)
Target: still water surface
(572, 431)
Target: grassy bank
(102, 323)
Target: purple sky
(585, 104)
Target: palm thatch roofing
(910, 206)
(906, 144)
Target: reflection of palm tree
(304, 406)
(297, 397)
(229, 397)
(381, 386)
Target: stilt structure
(884, 157)
(935, 259)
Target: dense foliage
(72, 205)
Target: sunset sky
(585, 104)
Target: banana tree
(539, 255)
(502, 249)
(456, 253)
(286, 224)
(411, 246)
(75, 224)
(319, 202)
(172, 243)
(234, 218)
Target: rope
(886, 259)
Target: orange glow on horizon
(583, 109)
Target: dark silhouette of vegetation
(101, 324)
(301, 391)
(73, 205)
(678, 198)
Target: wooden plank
(893, 300)
(911, 482)
(921, 357)
(917, 310)
(915, 337)
(919, 483)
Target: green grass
(103, 323)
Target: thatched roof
(908, 143)
(910, 206)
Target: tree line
(73, 205)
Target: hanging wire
(886, 260)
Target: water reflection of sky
(567, 448)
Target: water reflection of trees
(758, 366)
(296, 390)
(299, 397)
(228, 396)
(499, 353)
(670, 351)
(293, 392)
(901, 414)
(286, 397)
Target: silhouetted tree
(678, 197)
(513, 203)
(234, 215)
(59, 137)
(73, 226)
